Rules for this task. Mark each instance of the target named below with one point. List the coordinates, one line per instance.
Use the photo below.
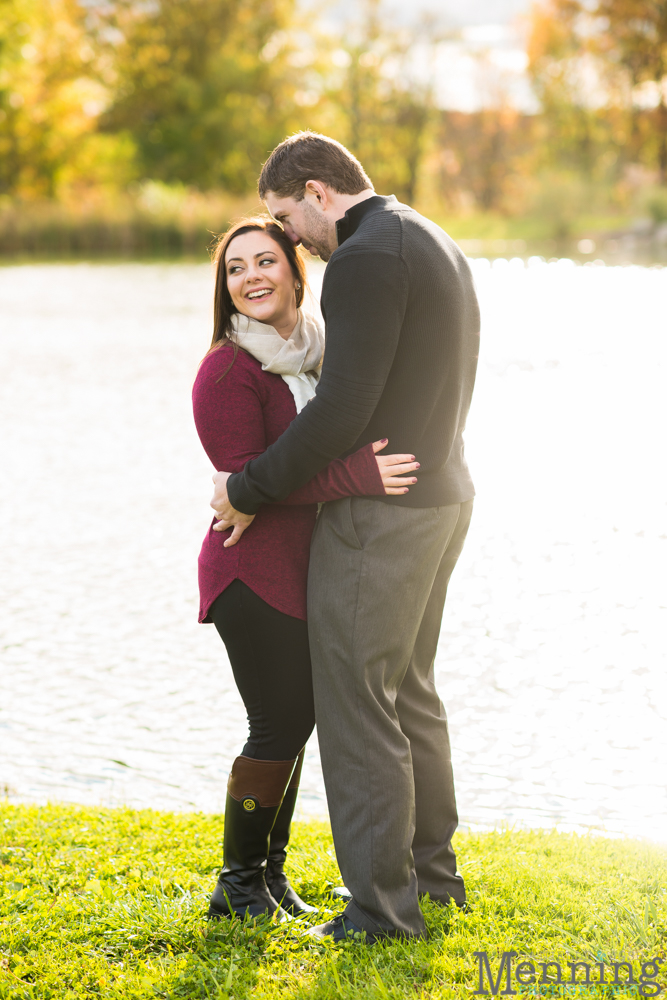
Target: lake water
(551, 659)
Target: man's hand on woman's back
(227, 516)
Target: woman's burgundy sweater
(237, 418)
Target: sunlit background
(537, 136)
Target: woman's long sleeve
(357, 475)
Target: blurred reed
(153, 220)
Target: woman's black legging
(270, 659)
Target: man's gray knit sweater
(402, 339)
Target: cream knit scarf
(298, 359)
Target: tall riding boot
(254, 793)
(276, 879)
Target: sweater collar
(350, 222)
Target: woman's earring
(298, 284)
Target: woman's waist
(271, 514)
(277, 528)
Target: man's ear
(319, 194)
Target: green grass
(111, 903)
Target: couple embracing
(335, 617)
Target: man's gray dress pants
(376, 593)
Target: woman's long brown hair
(223, 307)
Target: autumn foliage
(98, 99)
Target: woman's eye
(234, 270)
(267, 260)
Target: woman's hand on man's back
(393, 469)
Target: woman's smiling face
(261, 282)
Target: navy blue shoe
(464, 906)
(341, 928)
(341, 893)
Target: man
(402, 336)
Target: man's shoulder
(417, 226)
(427, 249)
(379, 230)
(396, 229)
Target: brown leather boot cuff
(265, 780)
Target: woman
(261, 370)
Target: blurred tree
(374, 89)
(599, 68)
(485, 154)
(569, 84)
(52, 88)
(205, 86)
(632, 34)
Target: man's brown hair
(309, 156)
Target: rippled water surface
(551, 659)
